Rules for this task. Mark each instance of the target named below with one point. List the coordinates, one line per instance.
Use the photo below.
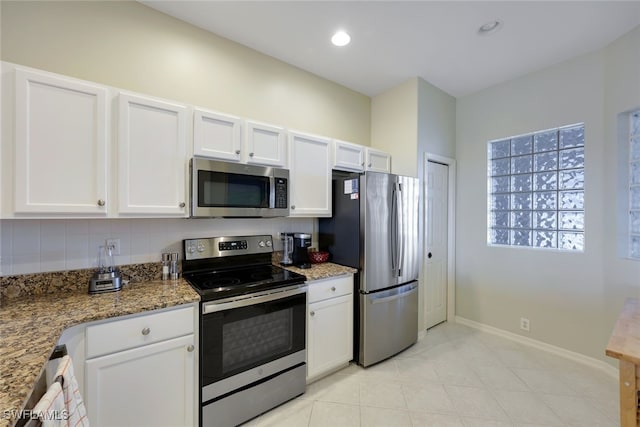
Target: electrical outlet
(115, 245)
(524, 324)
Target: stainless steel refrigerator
(374, 228)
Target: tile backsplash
(35, 246)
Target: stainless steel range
(252, 327)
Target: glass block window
(634, 185)
(536, 190)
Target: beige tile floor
(456, 376)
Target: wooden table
(624, 345)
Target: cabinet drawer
(134, 332)
(328, 288)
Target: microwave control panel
(281, 201)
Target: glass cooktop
(241, 280)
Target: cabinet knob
(190, 348)
(250, 154)
(362, 164)
(369, 165)
(293, 206)
(183, 204)
(333, 289)
(627, 384)
(101, 202)
(237, 151)
(313, 313)
(146, 331)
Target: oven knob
(200, 247)
(269, 243)
(261, 244)
(191, 249)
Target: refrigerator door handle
(400, 222)
(394, 231)
(399, 295)
(397, 242)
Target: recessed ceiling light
(340, 38)
(490, 27)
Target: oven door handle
(231, 303)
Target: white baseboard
(540, 345)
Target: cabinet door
(330, 338)
(60, 145)
(151, 385)
(348, 156)
(378, 161)
(217, 135)
(266, 145)
(310, 175)
(152, 159)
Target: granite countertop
(323, 271)
(31, 326)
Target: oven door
(248, 340)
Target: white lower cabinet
(148, 376)
(330, 325)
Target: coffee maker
(300, 255)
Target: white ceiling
(392, 41)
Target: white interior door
(436, 248)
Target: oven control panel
(217, 247)
(236, 245)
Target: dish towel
(51, 409)
(74, 405)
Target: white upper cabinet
(60, 146)
(217, 135)
(152, 157)
(378, 161)
(265, 144)
(229, 138)
(310, 175)
(348, 156)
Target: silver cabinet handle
(369, 165)
(190, 348)
(333, 289)
(293, 206)
(313, 313)
(183, 204)
(250, 154)
(146, 331)
(101, 202)
(237, 151)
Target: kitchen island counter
(31, 326)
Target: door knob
(429, 255)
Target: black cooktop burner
(241, 280)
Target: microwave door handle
(272, 192)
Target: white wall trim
(451, 231)
(540, 345)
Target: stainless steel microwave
(223, 189)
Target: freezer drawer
(388, 322)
